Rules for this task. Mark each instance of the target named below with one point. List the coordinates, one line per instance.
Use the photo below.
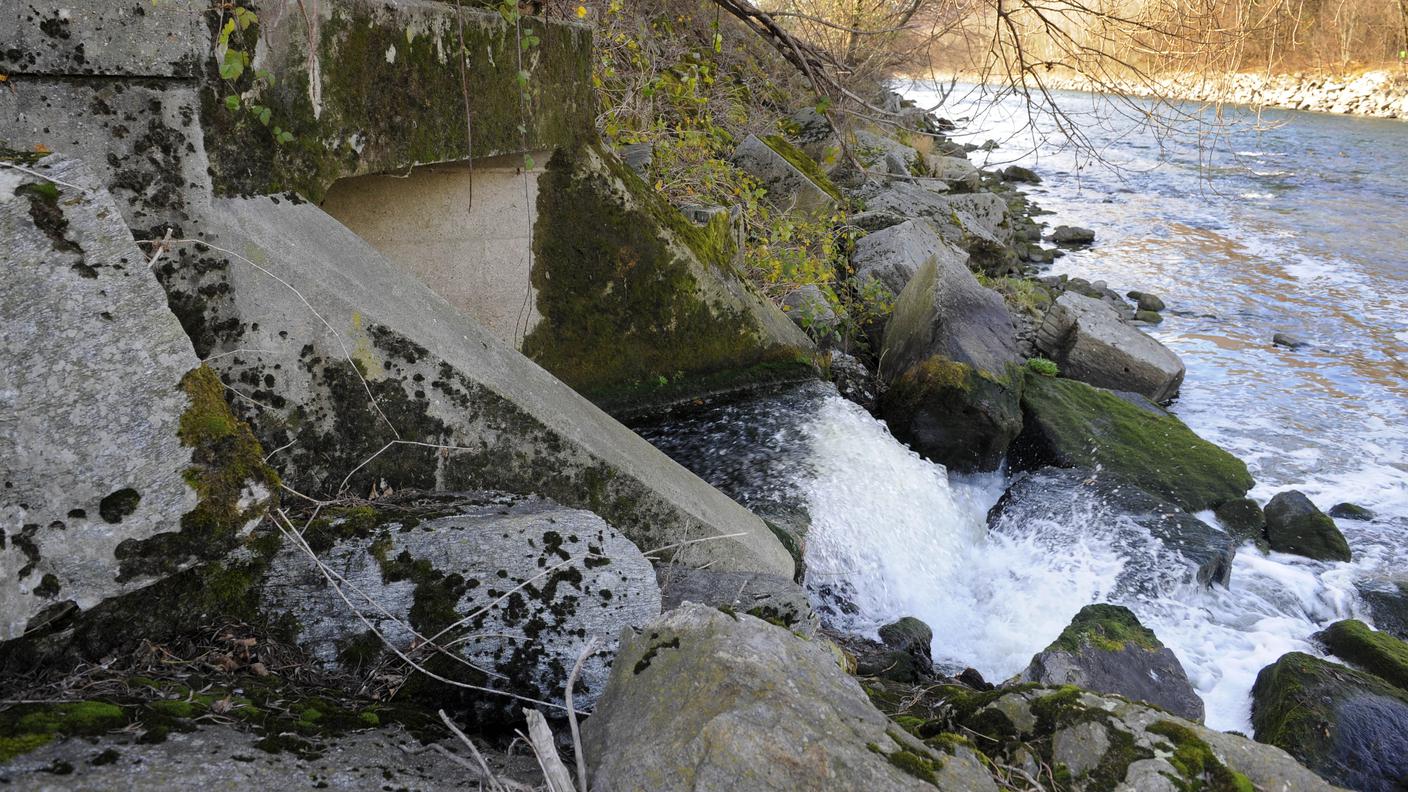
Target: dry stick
(345, 353)
(572, 715)
(38, 175)
(494, 782)
(544, 747)
(162, 246)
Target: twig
(39, 175)
(572, 715)
(544, 747)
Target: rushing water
(1299, 228)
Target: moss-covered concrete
(380, 90)
(1071, 424)
(641, 308)
(806, 165)
(1379, 653)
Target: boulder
(957, 172)
(1346, 725)
(516, 585)
(1387, 601)
(774, 599)
(1017, 173)
(950, 358)
(704, 700)
(975, 222)
(367, 382)
(221, 757)
(122, 463)
(809, 309)
(1089, 741)
(872, 220)
(1071, 424)
(1106, 650)
(1244, 520)
(852, 379)
(893, 255)
(792, 179)
(1183, 547)
(1145, 301)
(1294, 525)
(1377, 653)
(1090, 343)
(640, 308)
(1350, 511)
(1289, 341)
(882, 153)
(1071, 236)
(815, 136)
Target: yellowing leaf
(581, 12)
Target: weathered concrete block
(1087, 339)
(300, 310)
(640, 307)
(98, 37)
(522, 585)
(120, 460)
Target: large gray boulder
(957, 172)
(893, 255)
(950, 358)
(1106, 650)
(1295, 525)
(515, 586)
(1349, 726)
(120, 460)
(367, 382)
(882, 153)
(771, 598)
(975, 222)
(792, 179)
(706, 701)
(1087, 339)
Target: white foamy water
(893, 536)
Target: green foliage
(1042, 366)
(234, 56)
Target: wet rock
(1071, 236)
(1106, 650)
(1017, 173)
(1377, 653)
(893, 255)
(1071, 424)
(218, 757)
(1243, 518)
(912, 636)
(1091, 741)
(852, 379)
(517, 585)
(122, 463)
(1090, 343)
(792, 179)
(1148, 317)
(1184, 548)
(1350, 511)
(1289, 341)
(773, 599)
(950, 358)
(1346, 725)
(703, 700)
(1145, 301)
(1388, 604)
(876, 659)
(1294, 525)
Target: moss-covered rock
(1244, 519)
(1346, 725)
(1295, 525)
(1071, 424)
(1105, 649)
(641, 308)
(380, 89)
(1379, 653)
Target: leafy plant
(1042, 366)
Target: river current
(1287, 222)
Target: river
(1290, 222)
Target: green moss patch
(804, 164)
(638, 305)
(1199, 768)
(1071, 424)
(1106, 627)
(1379, 653)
